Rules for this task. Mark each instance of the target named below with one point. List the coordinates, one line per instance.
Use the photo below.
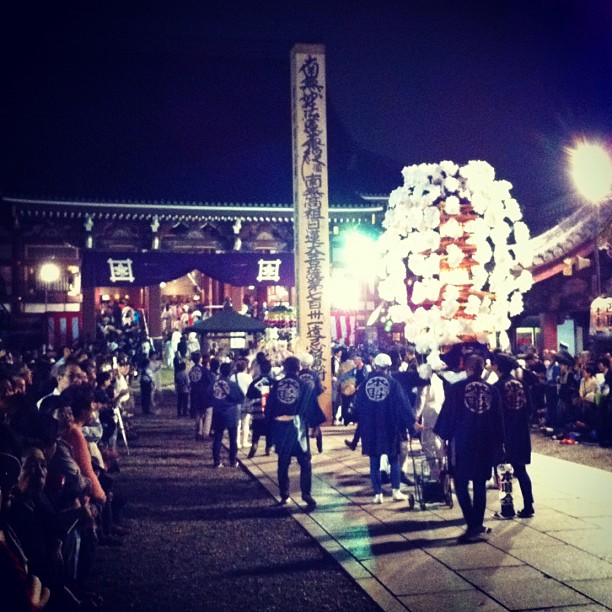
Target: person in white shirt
(155, 365)
(244, 380)
(67, 374)
(428, 405)
(122, 387)
(66, 352)
(193, 344)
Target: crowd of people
(61, 416)
(568, 396)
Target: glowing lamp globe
(591, 171)
(49, 272)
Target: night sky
(190, 100)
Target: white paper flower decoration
(456, 234)
(455, 255)
(451, 206)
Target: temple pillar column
(225, 292)
(548, 324)
(154, 311)
(311, 210)
(217, 293)
(89, 310)
(236, 295)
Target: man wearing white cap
(384, 414)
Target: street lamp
(49, 272)
(591, 172)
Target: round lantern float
(282, 318)
(454, 255)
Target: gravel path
(585, 454)
(208, 539)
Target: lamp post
(591, 172)
(49, 273)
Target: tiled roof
(573, 235)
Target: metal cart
(430, 486)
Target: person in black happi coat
(384, 414)
(516, 409)
(200, 380)
(307, 374)
(225, 397)
(471, 421)
(292, 408)
(257, 395)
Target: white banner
(601, 317)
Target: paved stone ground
(410, 559)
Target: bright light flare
(345, 293)
(49, 272)
(591, 170)
(359, 254)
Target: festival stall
(228, 327)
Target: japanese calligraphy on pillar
(310, 201)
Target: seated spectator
(21, 591)
(66, 483)
(80, 399)
(586, 417)
(41, 530)
(69, 490)
(68, 374)
(9, 441)
(604, 406)
(104, 400)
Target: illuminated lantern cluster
(454, 255)
(281, 317)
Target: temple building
(152, 253)
(149, 254)
(567, 272)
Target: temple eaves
(172, 210)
